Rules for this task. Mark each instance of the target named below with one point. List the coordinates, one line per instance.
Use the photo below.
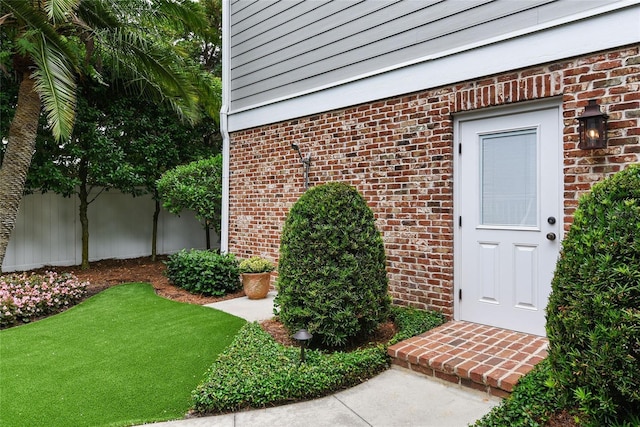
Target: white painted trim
(578, 35)
(224, 125)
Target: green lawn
(124, 356)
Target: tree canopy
(196, 186)
(130, 46)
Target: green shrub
(531, 403)
(331, 273)
(593, 316)
(255, 372)
(411, 322)
(196, 186)
(204, 272)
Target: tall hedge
(593, 316)
(332, 278)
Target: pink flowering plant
(24, 297)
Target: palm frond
(188, 14)
(59, 10)
(210, 87)
(155, 70)
(55, 83)
(97, 15)
(34, 19)
(128, 37)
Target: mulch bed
(112, 272)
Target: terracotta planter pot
(256, 285)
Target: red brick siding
(398, 153)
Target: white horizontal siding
(252, 24)
(287, 47)
(48, 230)
(299, 30)
(578, 34)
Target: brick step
(478, 356)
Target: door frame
(486, 113)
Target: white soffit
(552, 42)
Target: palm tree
(54, 44)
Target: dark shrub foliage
(412, 321)
(531, 403)
(257, 372)
(593, 316)
(331, 273)
(204, 272)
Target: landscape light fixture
(302, 336)
(306, 163)
(592, 127)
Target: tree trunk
(83, 195)
(207, 230)
(17, 159)
(154, 235)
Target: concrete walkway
(249, 309)
(396, 397)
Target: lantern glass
(592, 131)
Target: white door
(509, 217)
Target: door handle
(551, 236)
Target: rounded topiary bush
(593, 316)
(331, 272)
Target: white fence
(48, 230)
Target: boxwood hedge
(593, 316)
(332, 277)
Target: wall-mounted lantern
(306, 163)
(592, 127)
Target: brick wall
(398, 153)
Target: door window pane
(509, 193)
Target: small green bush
(255, 372)
(331, 273)
(256, 265)
(593, 316)
(532, 402)
(204, 272)
(411, 322)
